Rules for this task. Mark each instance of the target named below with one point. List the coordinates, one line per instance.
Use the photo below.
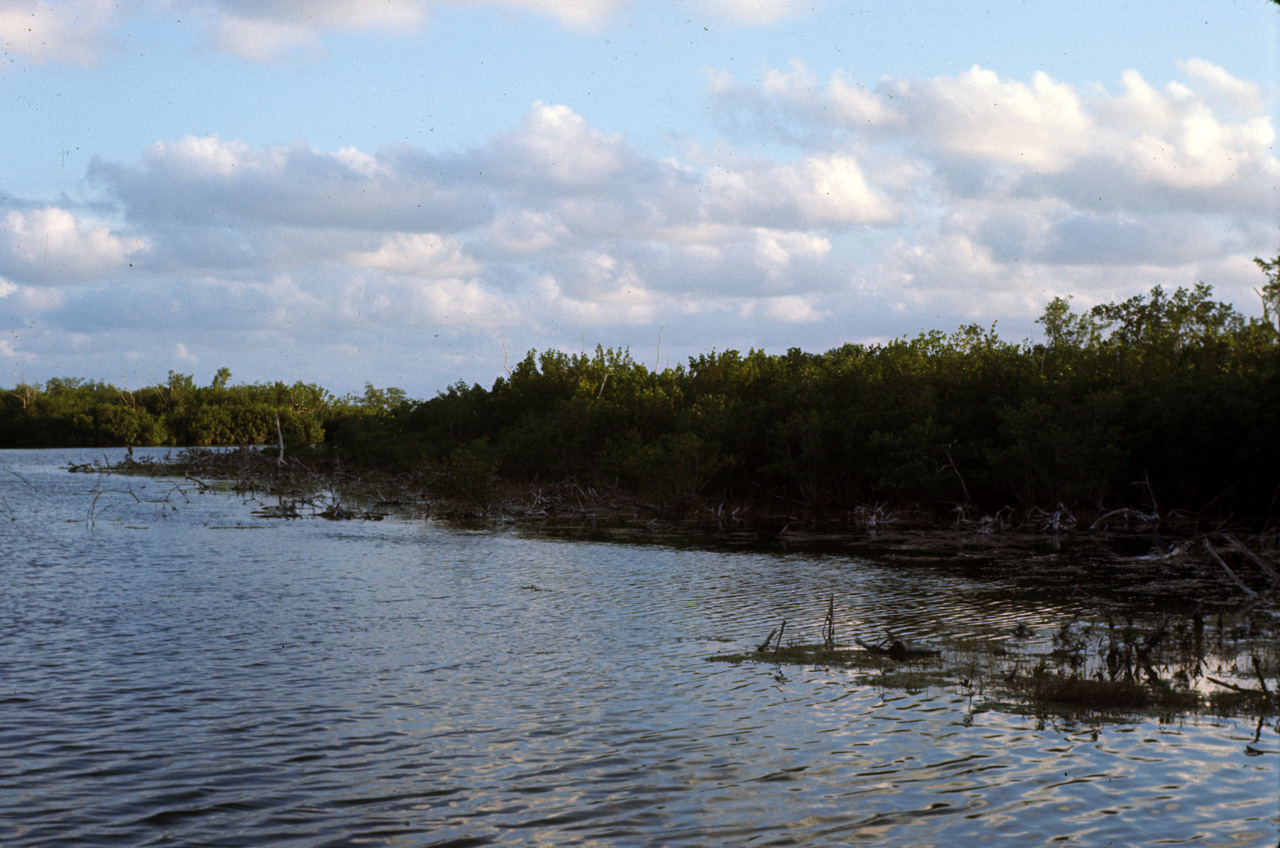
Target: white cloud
(72, 31)
(555, 145)
(579, 14)
(1042, 126)
(1173, 137)
(445, 303)
(523, 231)
(9, 350)
(814, 190)
(419, 254)
(618, 297)
(30, 300)
(214, 183)
(787, 309)
(755, 12)
(263, 40)
(967, 198)
(50, 246)
(841, 100)
(1240, 94)
(79, 31)
(775, 251)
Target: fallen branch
(1234, 687)
(1144, 518)
(1208, 547)
(1257, 560)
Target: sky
(413, 193)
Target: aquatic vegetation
(1091, 669)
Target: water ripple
(403, 683)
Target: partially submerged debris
(896, 649)
(1161, 667)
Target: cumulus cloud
(813, 190)
(910, 203)
(73, 32)
(1041, 126)
(1140, 147)
(419, 254)
(50, 246)
(555, 146)
(787, 309)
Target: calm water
(174, 671)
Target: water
(175, 671)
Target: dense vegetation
(1161, 402)
(80, 413)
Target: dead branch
(1254, 558)
(1257, 669)
(1234, 687)
(280, 437)
(1208, 547)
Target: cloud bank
(905, 204)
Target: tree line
(71, 412)
(1164, 401)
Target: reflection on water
(177, 671)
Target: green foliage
(469, 474)
(1270, 293)
(1171, 401)
(69, 412)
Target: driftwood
(896, 649)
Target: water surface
(174, 670)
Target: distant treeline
(1160, 402)
(71, 412)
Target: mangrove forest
(1164, 403)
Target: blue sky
(411, 193)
